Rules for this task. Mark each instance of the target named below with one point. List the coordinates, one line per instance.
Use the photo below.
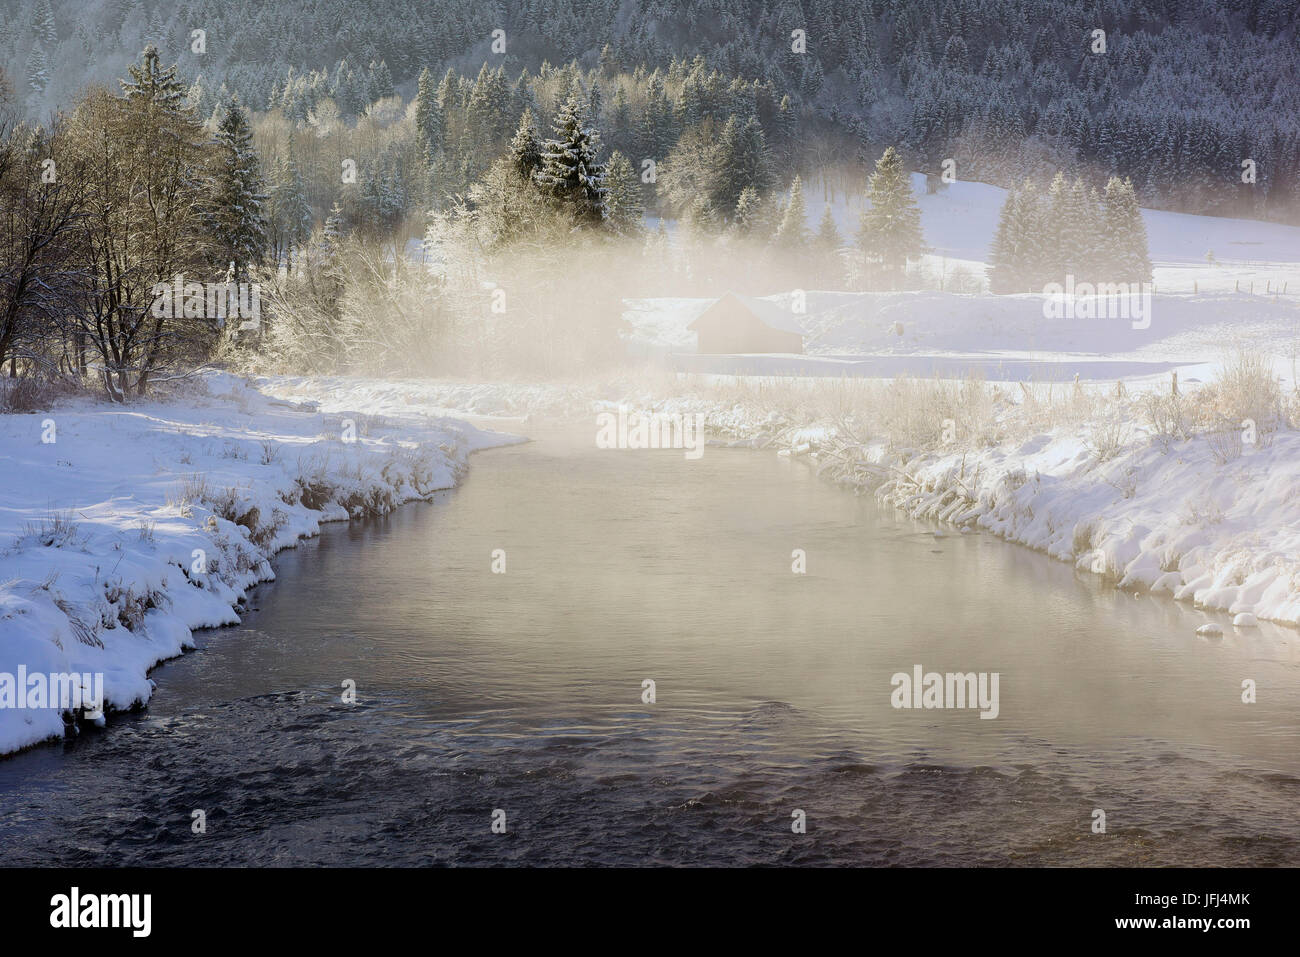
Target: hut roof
(769, 313)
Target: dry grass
(192, 490)
(55, 530)
(1245, 398)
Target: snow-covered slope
(960, 219)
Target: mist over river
(522, 692)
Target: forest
(413, 189)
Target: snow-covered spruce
(140, 523)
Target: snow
(106, 567)
(999, 338)
(959, 220)
(1197, 309)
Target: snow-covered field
(122, 529)
(1197, 309)
(1001, 338)
(959, 222)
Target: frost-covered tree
(626, 209)
(570, 173)
(43, 28)
(792, 233)
(150, 82)
(1132, 259)
(891, 225)
(741, 161)
(827, 238)
(38, 69)
(1010, 268)
(428, 117)
(239, 194)
(144, 163)
(525, 151)
(754, 215)
(289, 216)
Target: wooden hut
(737, 325)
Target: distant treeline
(1176, 96)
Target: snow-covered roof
(768, 312)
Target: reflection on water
(523, 692)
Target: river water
(518, 696)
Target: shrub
(1245, 393)
(24, 395)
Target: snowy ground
(959, 222)
(1001, 338)
(137, 524)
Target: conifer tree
(741, 160)
(289, 217)
(1007, 252)
(753, 216)
(1134, 259)
(43, 23)
(1111, 261)
(827, 239)
(150, 83)
(827, 242)
(239, 194)
(428, 119)
(1076, 227)
(570, 172)
(1053, 230)
(333, 232)
(792, 234)
(38, 69)
(525, 152)
(891, 226)
(626, 208)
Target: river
(517, 697)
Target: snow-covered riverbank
(1087, 477)
(123, 528)
(1084, 475)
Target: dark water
(522, 692)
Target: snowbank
(1163, 515)
(1225, 536)
(123, 528)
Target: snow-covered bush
(1169, 417)
(1245, 398)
